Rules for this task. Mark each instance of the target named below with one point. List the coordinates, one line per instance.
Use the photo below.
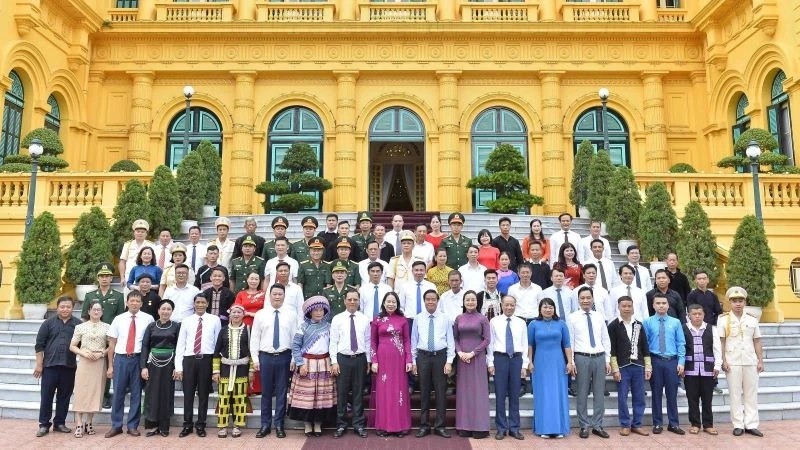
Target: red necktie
(131, 344)
(198, 337)
(161, 257)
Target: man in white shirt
(125, 368)
(585, 245)
(507, 360)
(393, 235)
(626, 287)
(558, 238)
(282, 255)
(193, 357)
(606, 271)
(526, 293)
(411, 293)
(372, 292)
(349, 350)
(196, 251)
(163, 248)
(641, 274)
(451, 303)
(271, 352)
(182, 294)
(602, 300)
(559, 293)
(422, 248)
(373, 255)
(591, 348)
(293, 297)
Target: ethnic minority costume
(312, 397)
(232, 362)
(158, 355)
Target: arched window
(52, 119)
(742, 120)
(780, 122)
(203, 126)
(492, 127)
(590, 127)
(12, 118)
(294, 124)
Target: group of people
(317, 323)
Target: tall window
(203, 126)
(12, 118)
(668, 3)
(52, 119)
(127, 3)
(491, 128)
(742, 120)
(590, 126)
(780, 121)
(291, 125)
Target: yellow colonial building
(403, 101)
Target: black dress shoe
(517, 435)
(401, 434)
(107, 403)
(361, 432)
(657, 429)
(263, 431)
(201, 432)
(42, 431)
(62, 429)
(676, 430)
(279, 433)
(442, 433)
(463, 433)
(500, 435)
(600, 432)
(316, 433)
(151, 433)
(381, 433)
(338, 433)
(423, 432)
(754, 432)
(738, 431)
(185, 431)
(584, 434)
(164, 433)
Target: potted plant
(658, 226)
(90, 247)
(212, 163)
(131, 205)
(192, 188)
(164, 202)
(125, 165)
(600, 172)
(623, 208)
(49, 161)
(506, 176)
(294, 182)
(38, 278)
(579, 189)
(696, 244)
(750, 264)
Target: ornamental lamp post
(754, 153)
(188, 92)
(35, 149)
(603, 93)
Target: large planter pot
(34, 311)
(657, 265)
(82, 289)
(583, 212)
(623, 245)
(186, 225)
(754, 311)
(209, 211)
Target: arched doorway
(590, 126)
(203, 126)
(396, 161)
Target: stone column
(346, 9)
(656, 154)
(94, 98)
(554, 182)
(242, 167)
(147, 10)
(344, 156)
(141, 105)
(449, 170)
(547, 10)
(447, 10)
(246, 12)
(648, 11)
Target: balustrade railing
(673, 15)
(123, 14)
(66, 189)
(397, 12)
(599, 12)
(499, 12)
(295, 12)
(194, 12)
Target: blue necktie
(591, 329)
(430, 334)
(276, 333)
(419, 297)
(561, 313)
(375, 303)
(662, 337)
(509, 339)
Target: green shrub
(192, 186)
(768, 146)
(294, 182)
(131, 205)
(696, 245)
(15, 167)
(213, 167)
(579, 189)
(658, 224)
(48, 161)
(164, 201)
(682, 168)
(506, 175)
(624, 205)
(125, 165)
(750, 263)
(38, 278)
(90, 247)
(600, 172)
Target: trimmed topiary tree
(164, 201)
(624, 205)
(682, 168)
(90, 247)
(696, 245)
(769, 159)
(750, 262)
(213, 167)
(125, 165)
(600, 172)
(295, 181)
(192, 186)
(38, 279)
(579, 189)
(506, 175)
(49, 161)
(658, 224)
(131, 205)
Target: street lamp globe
(36, 149)
(753, 150)
(603, 93)
(188, 92)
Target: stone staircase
(779, 392)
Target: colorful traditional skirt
(312, 398)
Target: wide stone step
(16, 349)
(18, 361)
(20, 325)
(782, 340)
(14, 337)
(16, 377)
(781, 351)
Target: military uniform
(336, 298)
(225, 249)
(738, 335)
(456, 248)
(240, 269)
(113, 303)
(399, 269)
(361, 245)
(268, 251)
(130, 250)
(299, 249)
(314, 277)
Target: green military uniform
(313, 277)
(299, 250)
(113, 303)
(361, 245)
(269, 246)
(353, 274)
(335, 298)
(240, 269)
(456, 248)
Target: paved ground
(21, 434)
